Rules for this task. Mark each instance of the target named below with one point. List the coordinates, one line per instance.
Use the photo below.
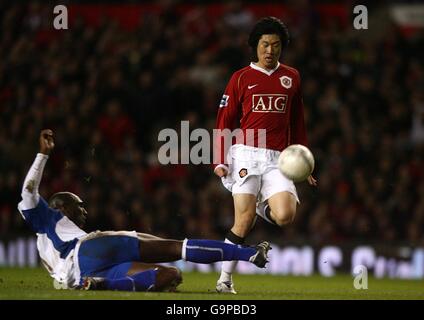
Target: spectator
(110, 91)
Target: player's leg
(159, 250)
(167, 278)
(152, 277)
(102, 250)
(244, 197)
(147, 236)
(244, 214)
(134, 276)
(282, 208)
(281, 198)
(200, 251)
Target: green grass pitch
(24, 283)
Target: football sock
(141, 281)
(227, 276)
(233, 238)
(208, 251)
(228, 267)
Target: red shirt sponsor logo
(269, 103)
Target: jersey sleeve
(41, 217)
(29, 193)
(226, 121)
(33, 208)
(297, 124)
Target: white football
(296, 162)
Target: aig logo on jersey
(286, 82)
(269, 103)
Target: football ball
(296, 162)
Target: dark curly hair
(268, 25)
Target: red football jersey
(259, 99)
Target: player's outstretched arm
(30, 195)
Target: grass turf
(24, 283)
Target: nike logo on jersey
(252, 86)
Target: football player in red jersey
(266, 96)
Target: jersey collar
(254, 66)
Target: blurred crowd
(107, 93)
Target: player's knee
(284, 217)
(168, 278)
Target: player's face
(76, 210)
(268, 51)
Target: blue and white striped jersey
(57, 235)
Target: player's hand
(221, 172)
(46, 141)
(312, 181)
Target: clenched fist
(46, 141)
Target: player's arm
(297, 125)
(30, 195)
(226, 121)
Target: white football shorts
(255, 171)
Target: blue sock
(208, 251)
(141, 281)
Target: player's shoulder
(290, 70)
(240, 72)
(239, 75)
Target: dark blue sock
(208, 251)
(141, 281)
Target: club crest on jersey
(286, 82)
(243, 173)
